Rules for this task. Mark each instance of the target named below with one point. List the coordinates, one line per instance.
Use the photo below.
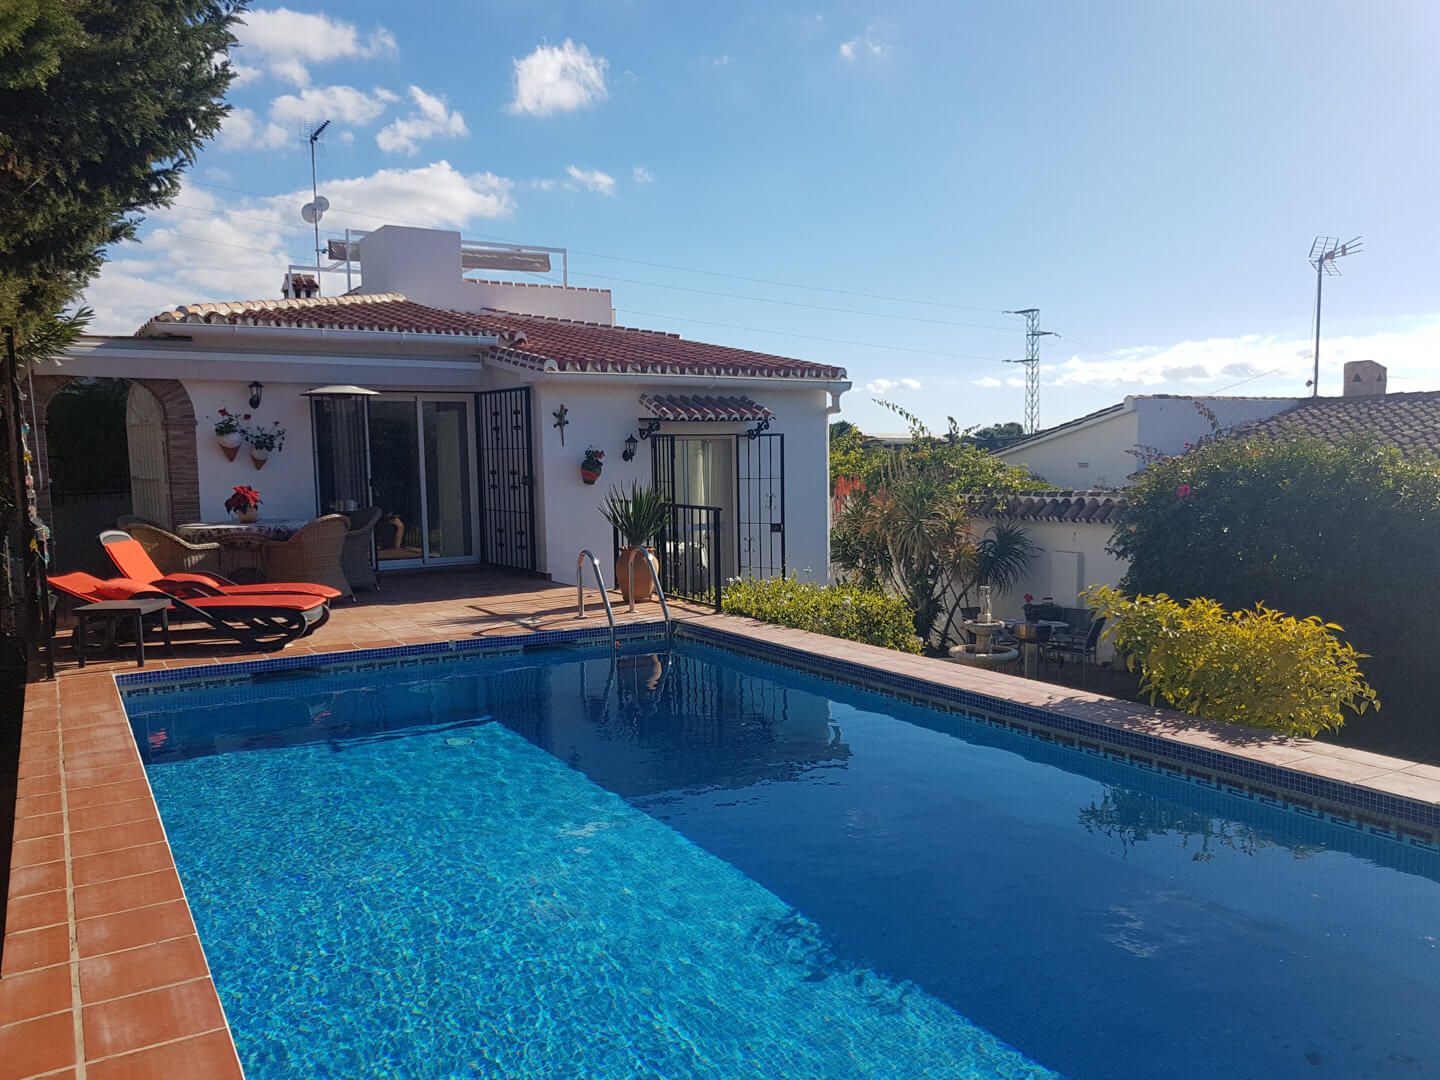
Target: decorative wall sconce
(255, 388)
(630, 444)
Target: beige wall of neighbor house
(1099, 450)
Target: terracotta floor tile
(109, 774)
(122, 894)
(108, 793)
(37, 1046)
(141, 1020)
(38, 804)
(37, 910)
(37, 879)
(35, 826)
(37, 785)
(118, 813)
(35, 993)
(116, 837)
(33, 852)
(208, 1057)
(117, 864)
(138, 926)
(146, 968)
(31, 949)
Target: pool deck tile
(103, 974)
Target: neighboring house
(463, 408)
(1098, 450)
(1102, 446)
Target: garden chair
(358, 557)
(134, 562)
(263, 622)
(1084, 649)
(312, 554)
(173, 555)
(124, 521)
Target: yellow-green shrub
(1256, 667)
(844, 611)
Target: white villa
(463, 408)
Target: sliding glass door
(422, 468)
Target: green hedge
(1255, 667)
(843, 611)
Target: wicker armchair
(124, 521)
(358, 559)
(172, 554)
(312, 554)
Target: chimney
(300, 287)
(1364, 378)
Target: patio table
(241, 543)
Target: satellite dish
(321, 203)
(312, 212)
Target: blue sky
(866, 184)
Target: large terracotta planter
(633, 577)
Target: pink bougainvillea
(1183, 491)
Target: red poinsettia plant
(244, 498)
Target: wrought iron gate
(507, 489)
(689, 546)
(760, 504)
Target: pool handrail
(600, 583)
(654, 568)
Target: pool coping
(104, 975)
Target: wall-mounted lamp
(630, 444)
(255, 388)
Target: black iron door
(507, 489)
(760, 504)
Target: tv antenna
(1323, 253)
(1033, 334)
(314, 210)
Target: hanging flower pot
(259, 456)
(592, 465)
(230, 443)
(264, 441)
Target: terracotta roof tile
(703, 407)
(531, 342)
(1408, 421)
(1082, 507)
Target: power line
(639, 262)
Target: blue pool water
(698, 865)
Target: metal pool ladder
(600, 583)
(653, 567)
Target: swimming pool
(695, 864)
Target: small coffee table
(111, 613)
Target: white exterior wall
(603, 415)
(1169, 423)
(1073, 559)
(424, 265)
(286, 482)
(1093, 456)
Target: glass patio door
(422, 465)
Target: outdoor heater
(340, 420)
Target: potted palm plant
(638, 516)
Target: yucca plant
(638, 515)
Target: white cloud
(592, 180)
(244, 75)
(217, 247)
(1254, 363)
(430, 120)
(987, 381)
(342, 104)
(285, 41)
(244, 130)
(885, 386)
(558, 78)
(643, 175)
(869, 45)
